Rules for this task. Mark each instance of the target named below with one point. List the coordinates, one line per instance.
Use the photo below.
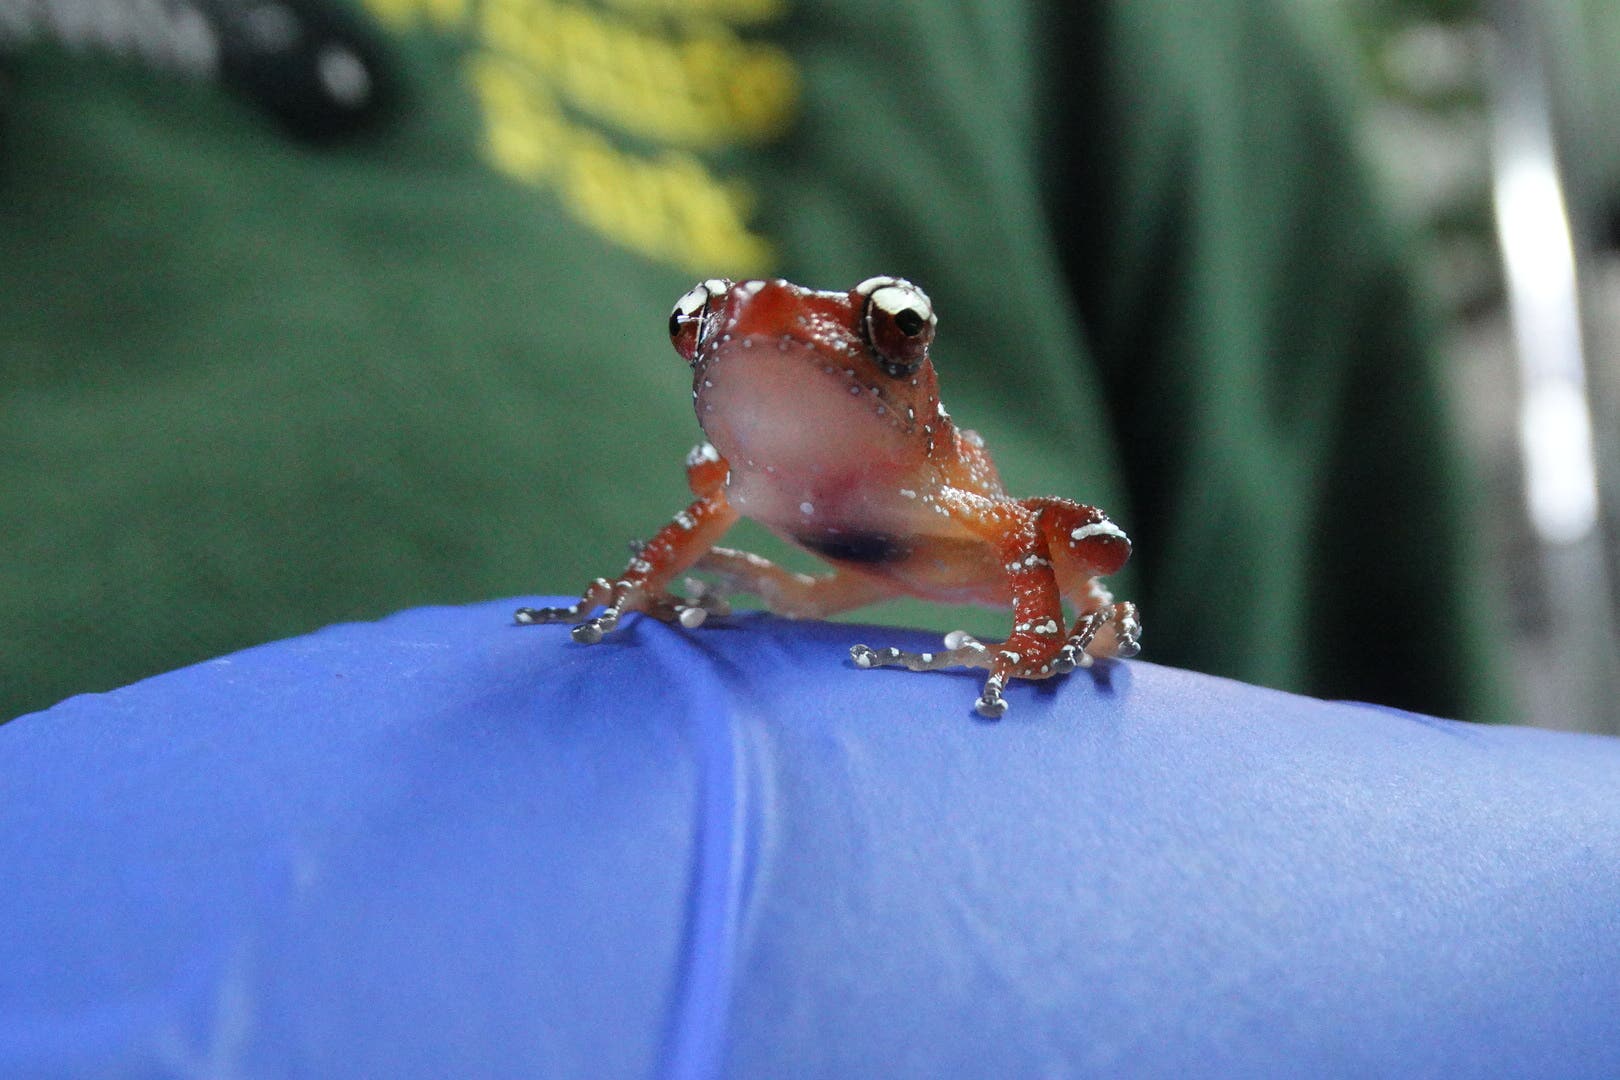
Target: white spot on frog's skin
(701, 453)
(752, 288)
(1101, 528)
(715, 286)
(907, 493)
(1012, 657)
(807, 508)
(685, 520)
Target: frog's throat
(789, 357)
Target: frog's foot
(961, 650)
(1111, 631)
(617, 599)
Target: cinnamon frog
(824, 424)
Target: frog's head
(796, 378)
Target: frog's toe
(991, 705)
(1127, 630)
(595, 593)
(592, 631)
(867, 657)
(615, 599)
(960, 650)
(1109, 631)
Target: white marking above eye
(1101, 528)
(692, 301)
(902, 296)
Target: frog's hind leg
(784, 592)
(1085, 546)
(1031, 649)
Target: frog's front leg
(644, 584)
(1031, 651)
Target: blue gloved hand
(443, 845)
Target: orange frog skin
(824, 423)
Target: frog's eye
(898, 322)
(686, 322)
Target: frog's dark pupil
(674, 322)
(909, 321)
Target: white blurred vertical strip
(1540, 268)
(1538, 253)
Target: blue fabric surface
(444, 845)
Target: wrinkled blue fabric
(441, 844)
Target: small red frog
(824, 425)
